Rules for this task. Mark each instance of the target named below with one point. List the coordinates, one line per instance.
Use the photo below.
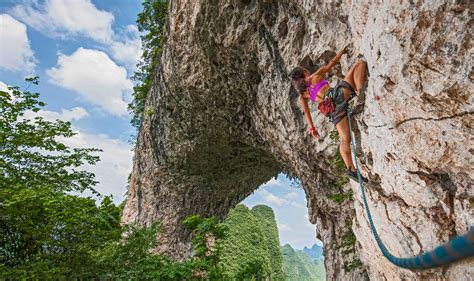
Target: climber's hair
(297, 74)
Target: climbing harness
(459, 248)
(326, 107)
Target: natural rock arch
(222, 118)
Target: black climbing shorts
(340, 105)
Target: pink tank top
(314, 88)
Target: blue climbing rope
(459, 248)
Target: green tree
(43, 228)
(150, 22)
(31, 155)
(48, 233)
(131, 258)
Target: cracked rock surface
(222, 118)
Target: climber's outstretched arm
(332, 63)
(307, 114)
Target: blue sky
(85, 53)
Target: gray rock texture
(223, 118)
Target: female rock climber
(332, 102)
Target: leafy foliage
(334, 136)
(48, 233)
(244, 251)
(354, 264)
(340, 197)
(206, 233)
(31, 155)
(44, 229)
(348, 241)
(338, 164)
(132, 258)
(347, 246)
(266, 219)
(151, 23)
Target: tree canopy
(47, 232)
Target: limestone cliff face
(222, 118)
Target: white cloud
(271, 198)
(128, 49)
(75, 113)
(297, 205)
(57, 18)
(69, 18)
(310, 226)
(128, 52)
(273, 183)
(115, 165)
(15, 50)
(4, 87)
(291, 195)
(95, 77)
(283, 227)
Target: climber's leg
(345, 145)
(360, 75)
(356, 77)
(345, 149)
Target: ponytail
(300, 85)
(297, 74)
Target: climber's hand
(341, 51)
(346, 48)
(315, 133)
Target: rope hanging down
(459, 248)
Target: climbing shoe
(353, 176)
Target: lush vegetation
(340, 196)
(46, 232)
(334, 136)
(150, 22)
(266, 219)
(298, 265)
(244, 252)
(42, 226)
(347, 248)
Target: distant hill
(266, 217)
(315, 252)
(299, 266)
(251, 248)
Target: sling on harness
(459, 248)
(326, 107)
